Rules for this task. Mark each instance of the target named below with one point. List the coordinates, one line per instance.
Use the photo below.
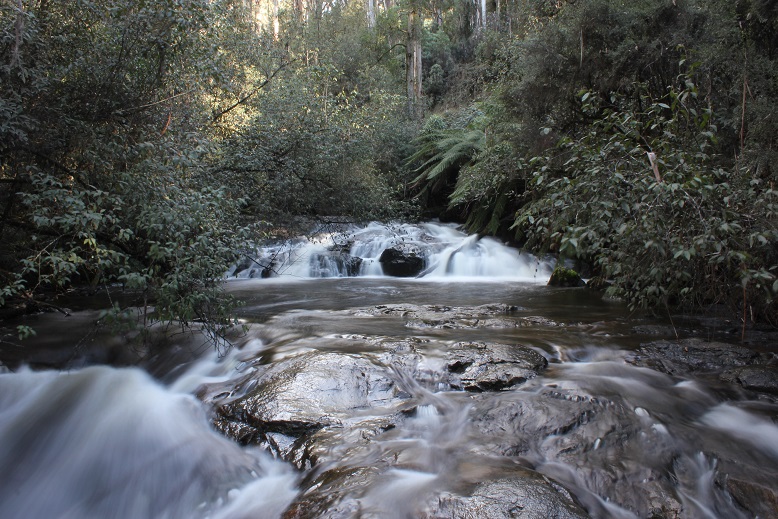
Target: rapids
(593, 434)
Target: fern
(445, 150)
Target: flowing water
(136, 440)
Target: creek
(469, 390)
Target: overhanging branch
(242, 100)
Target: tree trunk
(276, 25)
(371, 14)
(413, 61)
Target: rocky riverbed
(482, 428)
(396, 398)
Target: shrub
(689, 231)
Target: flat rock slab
(457, 317)
(692, 356)
(759, 378)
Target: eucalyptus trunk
(371, 13)
(413, 60)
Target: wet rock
(565, 277)
(457, 317)
(347, 493)
(531, 496)
(402, 261)
(309, 391)
(242, 433)
(478, 366)
(574, 437)
(757, 499)
(692, 356)
(333, 443)
(332, 495)
(514, 426)
(755, 378)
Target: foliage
(575, 177)
(141, 141)
(698, 234)
(104, 121)
(304, 150)
(444, 148)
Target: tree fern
(447, 151)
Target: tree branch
(390, 50)
(242, 100)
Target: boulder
(402, 261)
(306, 392)
(478, 366)
(565, 277)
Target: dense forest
(146, 143)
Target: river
(472, 391)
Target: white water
(448, 253)
(104, 442)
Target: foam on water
(106, 442)
(447, 251)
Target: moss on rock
(565, 277)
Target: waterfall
(436, 251)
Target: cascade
(443, 251)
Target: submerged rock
(457, 317)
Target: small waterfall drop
(438, 251)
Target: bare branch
(242, 100)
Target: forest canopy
(146, 143)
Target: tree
(105, 119)
(413, 64)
